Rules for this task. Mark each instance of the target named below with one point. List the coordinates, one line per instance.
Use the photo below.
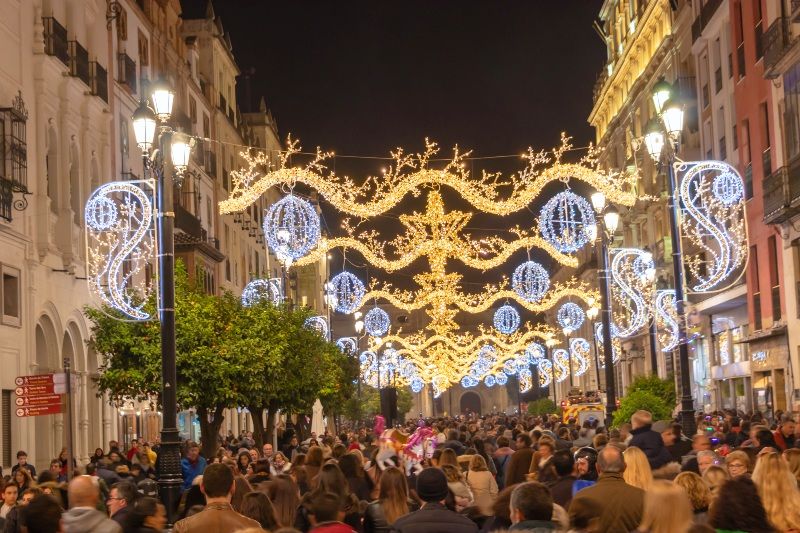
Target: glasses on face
(736, 466)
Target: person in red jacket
(784, 436)
(327, 514)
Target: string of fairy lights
(120, 229)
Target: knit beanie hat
(432, 485)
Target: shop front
(769, 359)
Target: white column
(83, 419)
(105, 410)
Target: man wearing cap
(433, 517)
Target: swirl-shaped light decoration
(506, 320)
(667, 320)
(262, 289)
(545, 373)
(561, 363)
(714, 222)
(525, 379)
(564, 221)
(390, 368)
(120, 243)
(377, 322)
(292, 228)
(631, 288)
(616, 344)
(579, 351)
(570, 316)
(319, 324)
(530, 281)
(347, 291)
(347, 345)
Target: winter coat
(191, 470)
(333, 527)
(518, 466)
(434, 518)
(500, 459)
(88, 520)
(561, 489)
(484, 490)
(622, 504)
(215, 518)
(534, 526)
(651, 443)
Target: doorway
(470, 403)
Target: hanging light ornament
(262, 289)
(347, 291)
(347, 345)
(579, 351)
(506, 320)
(530, 281)
(501, 379)
(632, 285)
(525, 380)
(292, 228)
(318, 324)
(615, 342)
(667, 320)
(545, 373)
(570, 316)
(377, 322)
(561, 363)
(489, 380)
(713, 199)
(564, 221)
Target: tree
(641, 399)
(663, 388)
(206, 371)
(542, 407)
(359, 408)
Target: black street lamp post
(168, 171)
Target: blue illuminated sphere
(348, 291)
(506, 320)
(563, 221)
(377, 322)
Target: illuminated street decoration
(525, 379)
(579, 352)
(615, 343)
(564, 221)
(759, 356)
(292, 228)
(318, 324)
(347, 345)
(120, 243)
(501, 379)
(489, 381)
(714, 222)
(667, 320)
(506, 320)
(377, 322)
(570, 317)
(530, 281)
(561, 363)
(545, 373)
(347, 291)
(262, 289)
(632, 288)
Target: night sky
(362, 78)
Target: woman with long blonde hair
(698, 492)
(715, 476)
(667, 509)
(777, 487)
(637, 469)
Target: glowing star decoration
(561, 363)
(506, 320)
(667, 320)
(292, 228)
(318, 324)
(570, 317)
(564, 221)
(579, 351)
(714, 223)
(615, 343)
(120, 243)
(262, 289)
(348, 292)
(530, 281)
(631, 288)
(377, 322)
(347, 345)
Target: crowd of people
(488, 474)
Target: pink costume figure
(380, 425)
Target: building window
(144, 50)
(11, 296)
(6, 408)
(193, 110)
(758, 30)
(774, 279)
(739, 30)
(766, 154)
(756, 288)
(13, 155)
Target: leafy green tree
(359, 408)
(542, 407)
(641, 399)
(206, 372)
(663, 388)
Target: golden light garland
(410, 173)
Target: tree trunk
(209, 430)
(257, 414)
(272, 410)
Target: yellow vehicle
(582, 406)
